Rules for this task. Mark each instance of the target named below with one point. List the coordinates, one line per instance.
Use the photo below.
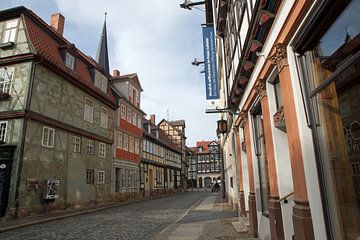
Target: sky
(156, 39)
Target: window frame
(12, 31)
(89, 110)
(104, 118)
(90, 179)
(3, 132)
(5, 80)
(101, 177)
(76, 141)
(102, 150)
(50, 142)
(123, 111)
(91, 147)
(69, 60)
(119, 140)
(126, 142)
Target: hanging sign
(211, 81)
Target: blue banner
(211, 81)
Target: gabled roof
(132, 78)
(48, 44)
(163, 138)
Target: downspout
(22, 145)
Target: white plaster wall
(308, 152)
(244, 167)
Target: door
(151, 179)
(6, 159)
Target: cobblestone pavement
(141, 220)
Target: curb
(85, 211)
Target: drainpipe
(22, 145)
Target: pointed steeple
(102, 56)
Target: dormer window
(100, 81)
(10, 31)
(69, 61)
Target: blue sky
(156, 39)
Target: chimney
(116, 73)
(57, 23)
(152, 119)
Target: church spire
(102, 56)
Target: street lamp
(222, 126)
(188, 4)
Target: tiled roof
(177, 122)
(48, 43)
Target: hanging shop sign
(211, 77)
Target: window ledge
(7, 45)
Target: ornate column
(276, 223)
(303, 227)
(240, 174)
(252, 201)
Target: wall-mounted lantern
(222, 126)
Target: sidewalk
(210, 218)
(8, 225)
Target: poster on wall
(52, 189)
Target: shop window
(329, 67)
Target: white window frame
(139, 122)
(102, 149)
(123, 111)
(48, 137)
(104, 117)
(119, 140)
(69, 60)
(6, 77)
(90, 147)
(129, 114)
(134, 121)
(9, 33)
(101, 177)
(126, 142)
(89, 110)
(76, 144)
(3, 130)
(137, 146)
(131, 144)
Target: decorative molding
(279, 119)
(244, 117)
(280, 56)
(260, 88)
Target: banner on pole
(211, 80)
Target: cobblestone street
(140, 220)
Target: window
(3, 127)
(102, 149)
(134, 119)
(104, 118)
(278, 97)
(90, 147)
(10, 31)
(88, 110)
(89, 176)
(355, 166)
(6, 76)
(69, 61)
(48, 137)
(101, 176)
(126, 143)
(129, 115)
(137, 146)
(76, 141)
(131, 144)
(139, 122)
(123, 111)
(119, 140)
